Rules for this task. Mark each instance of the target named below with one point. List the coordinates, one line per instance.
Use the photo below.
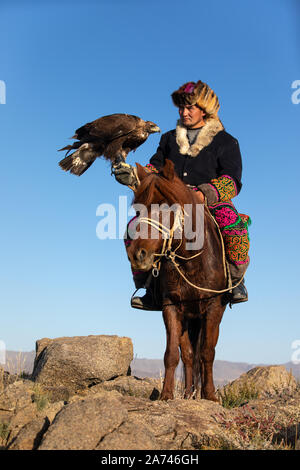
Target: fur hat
(199, 93)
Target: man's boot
(152, 299)
(239, 293)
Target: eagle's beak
(155, 129)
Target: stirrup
(146, 302)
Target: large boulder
(76, 363)
(83, 424)
(266, 381)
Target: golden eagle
(112, 136)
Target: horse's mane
(155, 188)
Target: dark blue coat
(221, 157)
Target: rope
(205, 289)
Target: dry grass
(262, 429)
(233, 396)
(178, 388)
(4, 430)
(40, 397)
(17, 366)
(257, 431)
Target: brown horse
(191, 316)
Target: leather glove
(124, 174)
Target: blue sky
(66, 63)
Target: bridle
(166, 250)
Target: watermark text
(158, 221)
(2, 92)
(2, 352)
(296, 94)
(295, 358)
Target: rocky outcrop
(131, 386)
(90, 420)
(124, 413)
(25, 414)
(109, 420)
(66, 365)
(266, 381)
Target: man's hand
(124, 174)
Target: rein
(170, 254)
(167, 242)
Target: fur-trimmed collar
(204, 138)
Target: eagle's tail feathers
(74, 164)
(79, 172)
(66, 163)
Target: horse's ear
(141, 172)
(168, 170)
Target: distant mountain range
(224, 371)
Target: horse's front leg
(209, 337)
(187, 359)
(171, 358)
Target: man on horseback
(207, 159)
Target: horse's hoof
(166, 396)
(214, 399)
(211, 397)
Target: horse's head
(159, 201)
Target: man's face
(192, 116)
